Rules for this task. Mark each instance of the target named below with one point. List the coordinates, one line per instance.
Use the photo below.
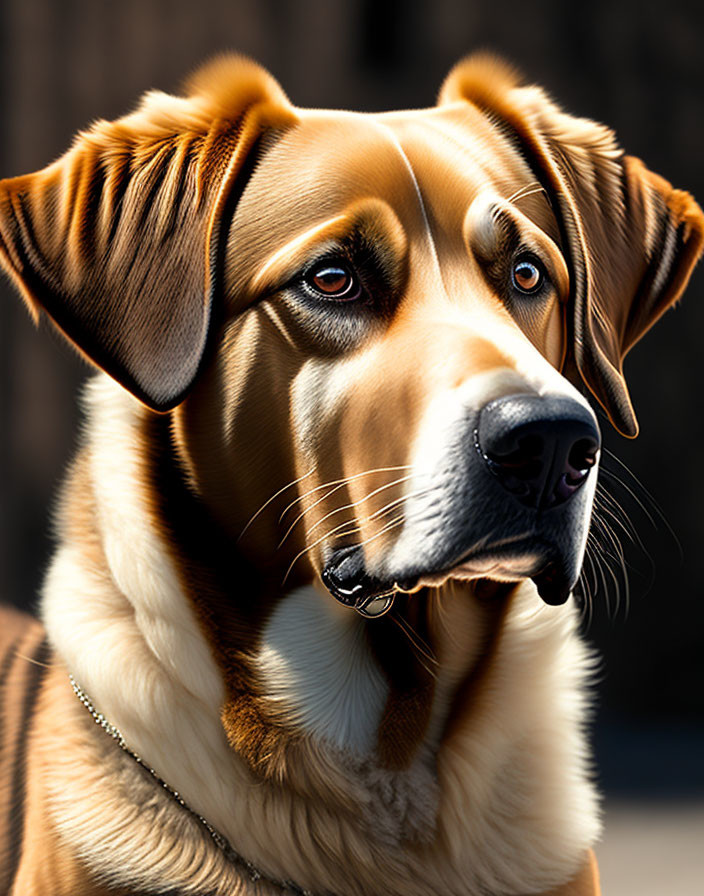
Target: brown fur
(165, 244)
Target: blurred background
(635, 65)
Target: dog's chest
(319, 673)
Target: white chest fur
(319, 673)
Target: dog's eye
(527, 275)
(333, 280)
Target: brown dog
(346, 359)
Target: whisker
(617, 589)
(648, 496)
(588, 595)
(439, 606)
(624, 485)
(613, 540)
(309, 547)
(418, 642)
(600, 563)
(332, 483)
(342, 482)
(637, 481)
(607, 505)
(589, 592)
(621, 560)
(417, 493)
(617, 508)
(376, 491)
(384, 529)
(273, 498)
(603, 530)
(387, 528)
(393, 524)
(620, 519)
(526, 190)
(407, 630)
(599, 584)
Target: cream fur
(315, 663)
(511, 802)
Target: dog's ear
(120, 240)
(631, 240)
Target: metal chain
(221, 842)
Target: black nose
(539, 448)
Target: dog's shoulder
(24, 653)
(37, 862)
(23, 656)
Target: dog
(308, 627)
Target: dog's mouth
(346, 577)
(348, 580)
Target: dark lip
(502, 548)
(546, 569)
(347, 579)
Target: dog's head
(372, 333)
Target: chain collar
(245, 866)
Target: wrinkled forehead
(458, 153)
(426, 165)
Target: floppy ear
(631, 240)
(120, 240)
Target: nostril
(523, 461)
(516, 464)
(582, 456)
(580, 460)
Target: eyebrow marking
(426, 222)
(527, 190)
(505, 219)
(297, 242)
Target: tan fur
(86, 765)
(171, 247)
(609, 202)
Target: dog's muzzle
(513, 508)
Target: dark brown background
(637, 66)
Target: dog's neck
(318, 703)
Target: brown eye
(333, 280)
(527, 275)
